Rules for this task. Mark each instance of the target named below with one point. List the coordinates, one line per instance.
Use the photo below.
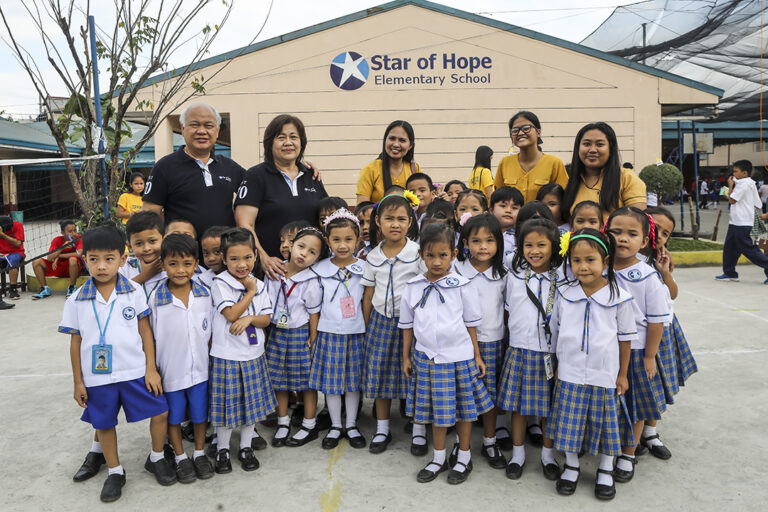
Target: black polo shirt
(265, 187)
(177, 184)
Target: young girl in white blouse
(240, 391)
(527, 379)
(440, 312)
(292, 332)
(592, 326)
(634, 230)
(337, 353)
(479, 259)
(392, 262)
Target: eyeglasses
(526, 128)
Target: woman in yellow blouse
(396, 157)
(131, 202)
(531, 169)
(480, 178)
(596, 173)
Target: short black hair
(744, 165)
(363, 206)
(507, 194)
(660, 210)
(104, 237)
(142, 221)
(455, 182)
(533, 209)
(550, 188)
(436, 233)
(586, 204)
(134, 175)
(392, 202)
(628, 165)
(274, 128)
(66, 222)
(236, 236)
(294, 226)
(394, 189)
(543, 226)
(6, 223)
(441, 209)
(477, 194)
(492, 224)
(214, 232)
(331, 203)
(420, 176)
(183, 221)
(178, 244)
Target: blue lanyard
(102, 332)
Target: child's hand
(238, 326)
(250, 283)
(152, 269)
(154, 382)
(407, 368)
(663, 261)
(310, 341)
(650, 366)
(54, 264)
(622, 384)
(480, 365)
(81, 395)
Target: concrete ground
(716, 432)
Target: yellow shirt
(631, 191)
(130, 203)
(480, 179)
(550, 169)
(371, 180)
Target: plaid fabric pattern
(585, 417)
(686, 364)
(288, 358)
(668, 364)
(523, 386)
(337, 363)
(492, 353)
(383, 372)
(445, 393)
(240, 392)
(645, 397)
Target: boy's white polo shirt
(303, 293)
(132, 268)
(388, 276)
(335, 287)
(526, 329)
(490, 290)
(228, 291)
(205, 277)
(181, 335)
(747, 199)
(128, 359)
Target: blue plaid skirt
(588, 418)
(645, 397)
(668, 366)
(383, 372)
(240, 392)
(524, 386)
(446, 393)
(288, 358)
(686, 364)
(337, 363)
(492, 353)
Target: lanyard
(546, 314)
(150, 291)
(286, 295)
(102, 332)
(390, 291)
(341, 277)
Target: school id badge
(101, 358)
(548, 367)
(253, 335)
(283, 319)
(348, 307)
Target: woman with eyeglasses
(530, 169)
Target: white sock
(438, 458)
(501, 423)
(534, 425)
(649, 431)
(283, 421)
(155, 456)
(334, 409)
(624, 464)
(352, 401)
(223, 435)
(198, 453)
(246, 435)
(117, 470)
(489, 441)
(518, 455)
(419, 430)
(464, 457)
(606, 463)
(382, 429)
(548, 455)
(571, 459)
(96, 447)
(181, 457)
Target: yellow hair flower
(411, 197)
(565, 241)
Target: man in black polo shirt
(192, 182)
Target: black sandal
(567, 487)
(622, 475)
(357, 441)
(427, 475)
(495, 458)
(604, 492)
(278, 441)
(329, 443)
(419, 450)
(458, 477)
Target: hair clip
(464, 218)
(411, 198)
(565, 241)
(341, 213)
(652, 231)
(308, 228)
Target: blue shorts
(13, 259)
(104, 402)
(195, 397)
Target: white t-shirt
(388, 276)
(490, 290)
(743, 210)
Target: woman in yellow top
(131, 202)
(531, 169)
(396, 157)
(480, 178)
(596, 173)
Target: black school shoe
(454, 455)
(329, 443)
(213, 447)
(566, 487)
(90, 468)
(356, 440)
(112, 488)
(203, 467)
(495, 458)
(169, 453)
(188, 432)
(278, 442)
(551, 471)
(379, 446)
(505, 443)
(185, 471)
(419, 450)
(257, 442)
(164, 473)
(427, 475)
(248, 460)
(311, 436)
(660, 452)
(459, 477)
(223, 464)
(536, 439)
(621, 475)
(604, 492)
(323, 419)
(513, 470)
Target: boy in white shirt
(145, 232)
(113, 357)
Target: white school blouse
(650, 302)
(337, 283)
(128, 359)
(587, 332)
(205, 277)
(439, 314)
(303, 292)
(181, 335)
(526, 327)
(490, 290)
(388, 276)
(228, 291)
(510, 243)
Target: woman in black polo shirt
(278, 191)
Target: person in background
(703, 193)
(451, 190)
(131, 202)
(11, 252)
(62, 262)
(480, 178)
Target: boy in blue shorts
(181, 317)
(113, 357)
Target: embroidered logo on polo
(356, 268)
(452, 282)
(634, 274)
(349, 71)
(129, 313)
(205, 324)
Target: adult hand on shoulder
(314, 169)
(81, 395)
(273, 267)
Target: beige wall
(345, 128)
(727, 154)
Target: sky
(561, 18)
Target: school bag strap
(543, 313)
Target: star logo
(349, 71)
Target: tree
(664, 180)
(144, 36)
